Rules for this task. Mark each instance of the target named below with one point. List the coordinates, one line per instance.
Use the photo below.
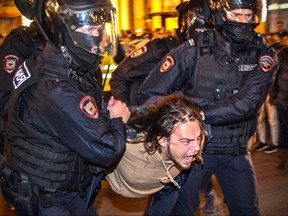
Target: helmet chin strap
(75, 66)
(230, 58)
(81, 70)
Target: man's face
(280, 27)
(184, 144)
(98, 38)
(284, 41)
(240, 15)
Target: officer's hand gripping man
(60, 135)
(232, 69)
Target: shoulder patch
(10, 63)
(167, 64)
(89, 107)
(266, 63)
(191, 42)
(21, 76)
(139, 52)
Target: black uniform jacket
(137, 66)
(176, 72)
(63, 111)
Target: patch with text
(21, 75)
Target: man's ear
(162, 141)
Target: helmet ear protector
(190, 18)
(91, 24)
(26, 7)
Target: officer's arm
(169, 75)
(245, 104)
(134, 68)
(119, 83)
(76, 120)
(13, 52)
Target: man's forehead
(241, 11)
(185, 129)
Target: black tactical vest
(48, 163)
(217, 78)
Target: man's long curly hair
(161, 119)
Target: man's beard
(170, 155)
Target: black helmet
(222, 10)
(26, 7)
(91, 24)
(190, 18)
(236, 19)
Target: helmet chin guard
(26, 7)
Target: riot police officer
(232, 69)
(131, 72)
(60, 136)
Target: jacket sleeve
(74, 118)
(245, 104)
(169, 75)
(134, 68)
(13, 51)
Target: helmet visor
(242, 11)
(93, 30)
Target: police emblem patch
(89, 107)
(10, 63)
(167, 64)
(139, 52)
(266, 63)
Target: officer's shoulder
(164, 40)
(190, 43)
(204, 38)
(259, 41)
(23, 32)
(169, 38)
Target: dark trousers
(236, 177)
(283, 136)
(68, 204)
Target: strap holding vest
(205, 42)
(31, 36)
